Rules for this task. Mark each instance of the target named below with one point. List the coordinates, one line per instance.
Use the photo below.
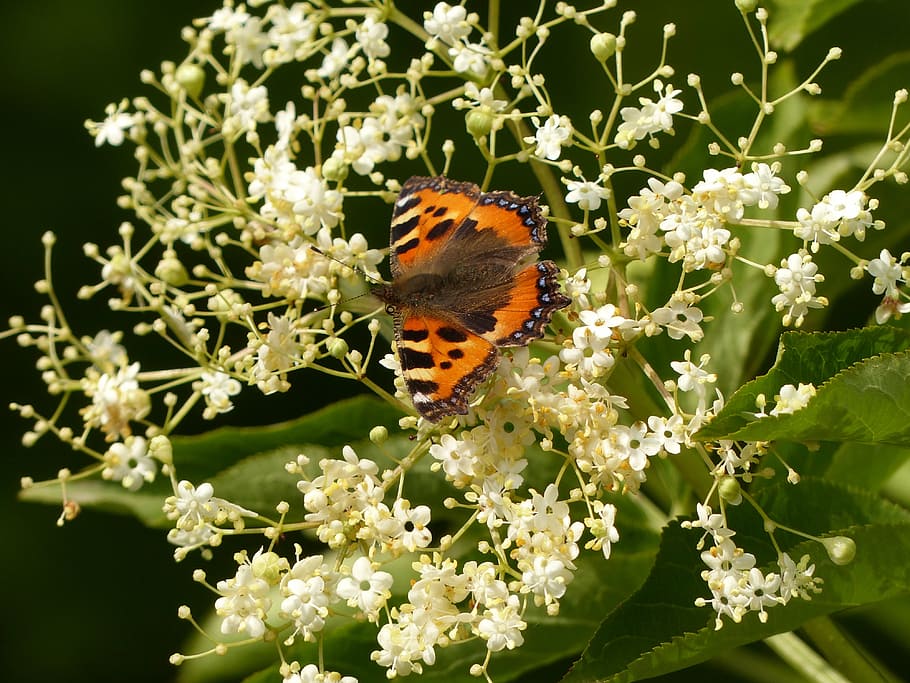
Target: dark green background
(97, 599)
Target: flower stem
(849, 657)
(793, 650)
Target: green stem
(846, 655)
(793, 650)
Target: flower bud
(603, 46)
(479, 123)
(269, 567)
(171, 271)
(730, 490)
(337, 347)
(160, 449)
(746, 6)
(191, 78)
(334, 169)
(840, 549)
(379, 435)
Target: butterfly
(465, 282)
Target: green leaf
(850, 463)
(659, 630)
(144, 504)
(247, 461)
(865, 107)
(863, 393)
(793, 20)
(200, 457)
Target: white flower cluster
(737, 585)
(693, 226)
(199, 517)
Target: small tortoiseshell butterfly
(465, 281)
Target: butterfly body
(465, 281)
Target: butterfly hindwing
(441, 363)
(533, 298)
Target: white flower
(335, 60)
(472, 58)
(248, 106)
(446, 23)
(371, 36)
(414, 522)
(314, 205)
(550, 137)
(724, 193)
(652, 117)
(645, 214)
(307, 595)
(501, 626)
(818, 226)
(577, 287)
(603, 528)
(129, 463)
(679, 319)
(666, 106)
(792, 398)
(634, 444)
(117, 399)
(277, 354)
(105, 350)
(670, 433)
(796, 579)
(586, 193)
(407, 644)
(480, 98)
(547, 577)
(887, 272)
(363, 147)
(227, 18)
(693, 376)
(244, 603)
(217, 388)
(249, 41)
(889, 307)
(196, 513)
(796, 279)
(763, 186)
(111, 130)
(292, 28)
(458, 457)
(589, 353)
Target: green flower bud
(160, 448)
(746, 6)
(730, 490)
(191, 78)
(479, 123)
(337, 347)
(334, 169)
(603, 46)
(840, 549)
(171, 271)
(379, 434)
(269, 567)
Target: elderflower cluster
(252, 251)
(737, 585)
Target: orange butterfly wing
(464, 283)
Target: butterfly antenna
(357, 270)
(365, 275)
